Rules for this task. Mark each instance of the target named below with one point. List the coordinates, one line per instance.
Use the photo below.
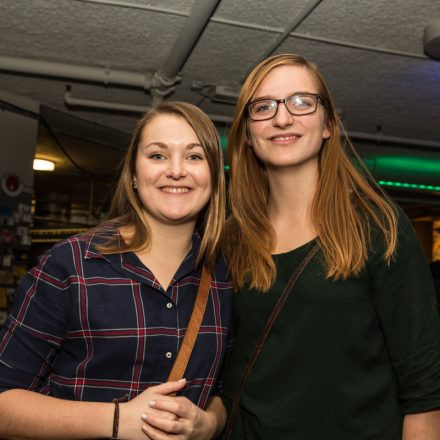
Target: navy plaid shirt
(93, 327)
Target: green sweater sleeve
(404, 298)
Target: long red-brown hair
(345, 204)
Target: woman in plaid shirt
(102, 314)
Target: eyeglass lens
(296, 105)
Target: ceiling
(94, 65)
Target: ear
(326, 132)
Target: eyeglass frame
(317, 96)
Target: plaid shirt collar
(129, 262)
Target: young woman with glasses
(355, 351)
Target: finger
(153, 433)
(155, 424)
(168, 387)
(169, 415)
(181, 407)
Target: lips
(175, 189)
(285, 138)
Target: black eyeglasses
(299, 104)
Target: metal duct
(193, 28)
(116, 106)
(75, 72)
(280, 40)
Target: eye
(195, 156)
(262, 107)
(156, 156)
(302, 102)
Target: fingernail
(151, 403)
(182, 380)
(144, 416)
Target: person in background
(102, 315)
(355, 350)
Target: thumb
(169, 387)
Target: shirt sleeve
(405, 302)
(33, 333)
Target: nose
(176, 169)
(282, 117)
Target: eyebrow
(165, 146)
(290, 94)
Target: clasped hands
(163, 417)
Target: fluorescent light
(43, 165)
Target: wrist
(211, 426)
(115, 429)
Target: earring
(135, 185)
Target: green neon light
(409, 185)
(423, 166)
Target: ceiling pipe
(77, 73)
(70, 101)
(167, 76)
(296, 22)
(120, 107)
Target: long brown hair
(126, 207)
(345, 204)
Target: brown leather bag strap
(262, 339)
(192, 330)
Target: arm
(25, 414)
(192, 422)
(423, 426)
(28, 415)
(405, 302)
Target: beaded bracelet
(115, 421)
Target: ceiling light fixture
(43, 165)
(431, 40)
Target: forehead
(168, 129)
(286, 80)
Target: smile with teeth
(285, 138)
(175, 190)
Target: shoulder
(405, 234)
(68, 247)
(66, 256)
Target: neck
(167, 239)
(170, 239)
(291, 192)
(291, 189)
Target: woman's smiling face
(287, 140)
(171, 173)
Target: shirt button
(168, 354)
(169, 305)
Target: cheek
(202, 176)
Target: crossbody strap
(262, 339)
(192, 330)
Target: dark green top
(346, 359)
